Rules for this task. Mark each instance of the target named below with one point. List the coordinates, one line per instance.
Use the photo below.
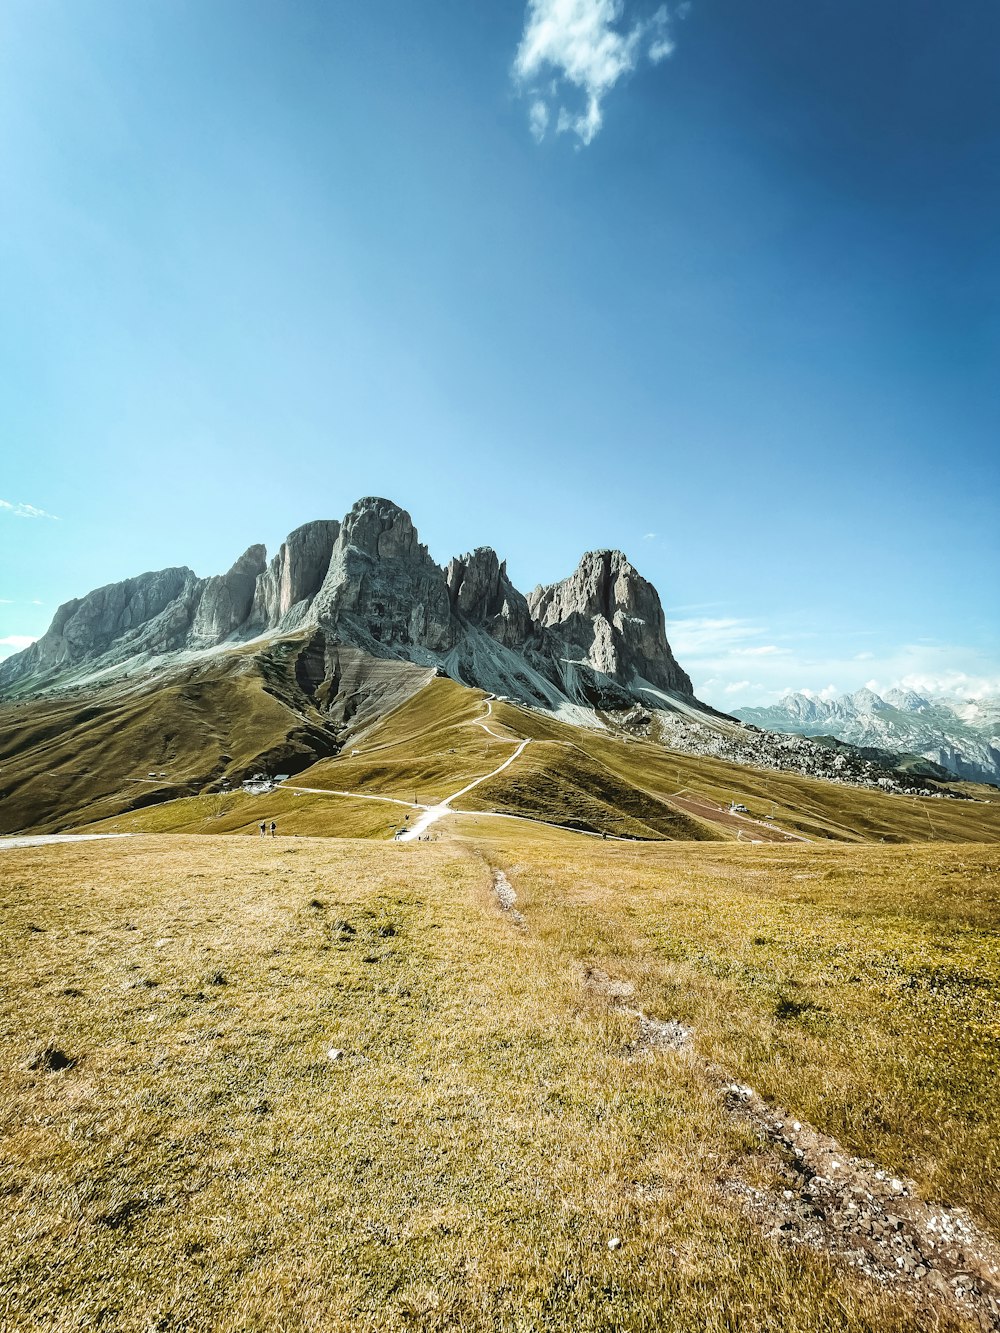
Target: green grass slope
(563, 785)
(295, 813)
(424, 750)
(815, 808)
(86, 755)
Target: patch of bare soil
(652, 1034)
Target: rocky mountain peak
(612, 617)
(226, 599)
(481, 592)
(907, 701)
(382, 530)
(865, 701)
(803, 706)
(295, 574)
(252, 561)
(368, 583)
(383, 592)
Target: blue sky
(730, 300)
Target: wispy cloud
(538, 120)
(15, 642)
(700, 635)
(649, 536)
(583, 46)
(736, 663)
(21, 510)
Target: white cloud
(21, 510)
(952, 684)
(662, 44)
(709, 634)
(18, 641)
(649, 536)
(827, 693)
(719, 652)
(587, 45)
(538, 120)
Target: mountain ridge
(962, 736)
(598, 636)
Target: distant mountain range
(961, 735)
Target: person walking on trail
(263, 829)
(273, 828)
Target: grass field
(203, 1163)
(303, 814)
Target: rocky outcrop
(285, 589)
(368, 582)
(382, 590)
(607, 616)
(481, 594)
(226, 599)
(83, 630)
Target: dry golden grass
(303, 814)
(816, 808)
(204, 1164)
(860, 986)
(423, 751)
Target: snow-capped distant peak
(866, 701)
(961, 736)
(907, 701)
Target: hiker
(273, 828)
(263, 829)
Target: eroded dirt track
(802, 1188)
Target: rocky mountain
(597, 638)
(962, 736)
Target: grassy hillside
(320, 1084)
(429, 747)
(85, 759)
(812, 807)
(84, 756)
(295, 813)
(563, 785)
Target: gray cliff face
(293, 578)
(382, 588)
(226, 600)
(84, 629)
(481, 593)
(607, 616)
(369, 583)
